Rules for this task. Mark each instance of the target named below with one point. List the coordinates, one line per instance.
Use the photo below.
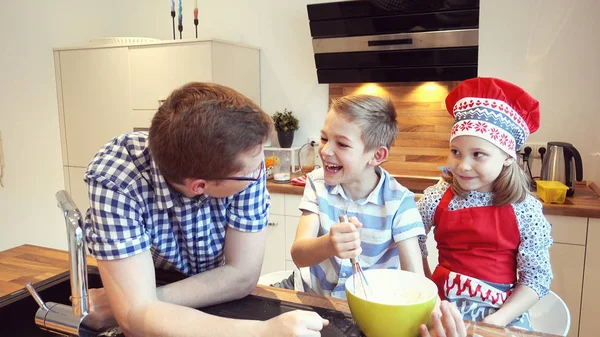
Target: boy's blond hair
(375, 115)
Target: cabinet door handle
(272, 224)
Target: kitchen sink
(17, 310)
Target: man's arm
(131, 291)
(237, 278)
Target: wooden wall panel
(424, 124)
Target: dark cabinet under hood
(358, 41)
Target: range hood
(395, 40)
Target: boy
(384, 222)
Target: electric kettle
(561, 163)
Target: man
(188, 196)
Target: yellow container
(383, 313)
(551, 192)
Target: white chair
(274, 277)
(550, 315)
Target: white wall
(28, 114)
(552, 49)
(29, 29)
(521, 41)
(278, 27)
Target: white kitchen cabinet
(567, 256)
(567, 266)
(79, 188)
(279, 242)
(274, 259)
(275, 245)
(177, 64)
(174, 65)
(590, 306)
(94, 97)
(105, 91)
(291, 225)
(292, 217)
(292, 201)
(277, 204)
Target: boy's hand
(345, 239)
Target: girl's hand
(344, 239)
(450, 324)
(494, 319)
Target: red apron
(475, 244)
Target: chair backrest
(551, 315)
(274, 277)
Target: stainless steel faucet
(77, 253)
(60, 318)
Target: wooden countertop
(584, 203)
(28, 263)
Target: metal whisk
(357, 271)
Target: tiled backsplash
(424, 124)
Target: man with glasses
(189, 196)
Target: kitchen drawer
(568, 229)
(292, 201)
(277, 204)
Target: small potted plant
(285, 125)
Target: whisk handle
(344, 218)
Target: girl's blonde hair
(511, 186)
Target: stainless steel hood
(358, 41)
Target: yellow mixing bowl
(398, 303)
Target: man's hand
(344, 238)
(297, 323)
(450, 324)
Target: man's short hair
(201, 130)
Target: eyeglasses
(254, 176)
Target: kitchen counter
(28, 263)
(584, 203)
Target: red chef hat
(495, 110)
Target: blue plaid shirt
(133, 209)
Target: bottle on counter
(282, 171)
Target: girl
(491, 234)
